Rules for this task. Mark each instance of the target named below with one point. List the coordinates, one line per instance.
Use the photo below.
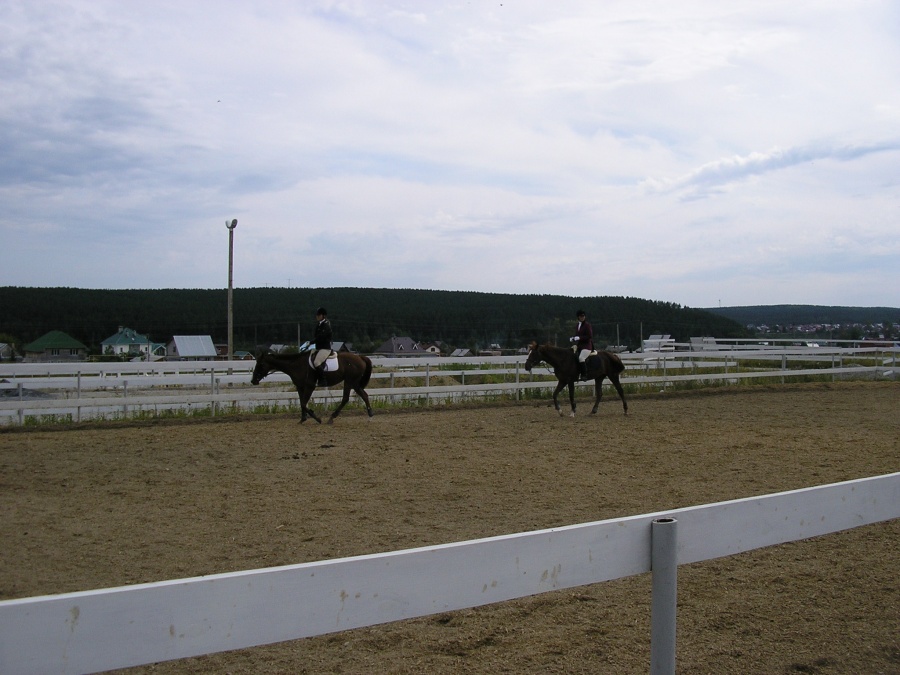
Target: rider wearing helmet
(323, 344)
(583, 340)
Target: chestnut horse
(353, 370)
(600, 365)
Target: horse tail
(367, 374)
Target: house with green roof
(54, 347)
(128, 342)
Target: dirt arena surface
(114, 504)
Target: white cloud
(691, 152)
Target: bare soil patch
(106, 505)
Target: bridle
(538, 357)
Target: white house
(128, 342)
(194, 347)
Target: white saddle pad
(331, 363)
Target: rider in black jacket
(323, 344)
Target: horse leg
(344, 399)
(559, 388)
(572, 398)
(598, 393)
(305, 410)
(365, 399)
(615, 380)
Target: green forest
(810, 314)
(365, 317)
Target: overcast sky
(702, 153)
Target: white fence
(86, 390)
(132, 625)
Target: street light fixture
(230, 226)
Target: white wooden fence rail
(127, 626)
(114, 384)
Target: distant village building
(704, 344)
(431, 348)
(401, 346)
(659, 343)
(493, 349)
(55, 347)
(191, 347)
(128, 342)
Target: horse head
(534, 356)
(262, 367)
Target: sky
(705, 154)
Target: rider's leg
(582, 362)
(319, 364)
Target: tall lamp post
(230, 226)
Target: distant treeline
(365, 317)
(784, 315)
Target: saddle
(331, 363)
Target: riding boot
(320, 376)
(582, 368)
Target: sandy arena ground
(113, 504)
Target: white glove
(574, 339)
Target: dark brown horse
(353, 370)
(565, 367)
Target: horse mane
(295, 356)
(552, 347)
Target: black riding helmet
(321, 312)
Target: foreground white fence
(146, 623)
(90, 390)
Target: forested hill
(783, 315)
(365, 317)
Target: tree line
(365, 317)
(810, 314)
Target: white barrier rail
(99, 630)
(69, 385)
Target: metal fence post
(664, 566)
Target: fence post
(215, 404)
(518, 391)
(664, 567)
